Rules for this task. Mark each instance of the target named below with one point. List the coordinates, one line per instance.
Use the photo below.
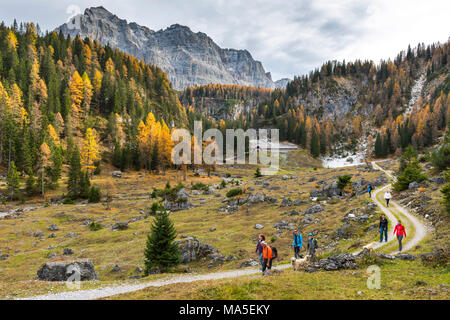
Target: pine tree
(161, 251)
(13, 181)
(75, 174)
(45, 154)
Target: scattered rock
(191, 249)
(120, 226)
(68, 252)
(212, 229)
(116, 174)
(314, 209)
(181, 201)
(249, 263)
(405, 256)
(413, 185)
(259, 226)
(116, 268)
(63, 270)
(53, 227)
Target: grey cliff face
(188, 58)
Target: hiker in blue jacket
(297, 243)
(369, 190)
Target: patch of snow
(416, 92)
(347, 160)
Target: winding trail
(408, 219)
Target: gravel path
(125, 288)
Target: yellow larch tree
(90, 152)
(76, 97)
(53, 135)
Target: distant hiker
(369, 190)
(312, 246)
(383, 227)
(401, 232)
(387, 197)
(297, 243)
(267, 257)
(259, 249)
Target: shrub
(441, 157)
(234, 192)
(200, 186)
(97, 169)
(94, 226)
(68, 201)
(258, 173)
(223, 184)
(411, 173)
(344, 181)
(94, 195)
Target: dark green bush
(68, 201)
(94, 226)
(234, 192)
(343, 181)
(94, 195)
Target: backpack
(274, 253)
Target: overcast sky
(289, 37)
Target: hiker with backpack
(267, 257)
(383, 227)
(312, 246)
(297, 243)
(401, 232)
(369, 190)
(259, 248)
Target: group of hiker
(267, 252)
(399, 229)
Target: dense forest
(64, 99)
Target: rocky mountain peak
(188, 58)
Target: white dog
(299, 263)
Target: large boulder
(181, 201)
(328, 190)
(82, 269)
(256, 198)
(314, 209)
(191, 249)
(338, 261)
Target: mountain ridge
(187, 57)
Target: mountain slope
(188, 58)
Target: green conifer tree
(161, 251)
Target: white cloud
(289, 37)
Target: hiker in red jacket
(401, 232)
